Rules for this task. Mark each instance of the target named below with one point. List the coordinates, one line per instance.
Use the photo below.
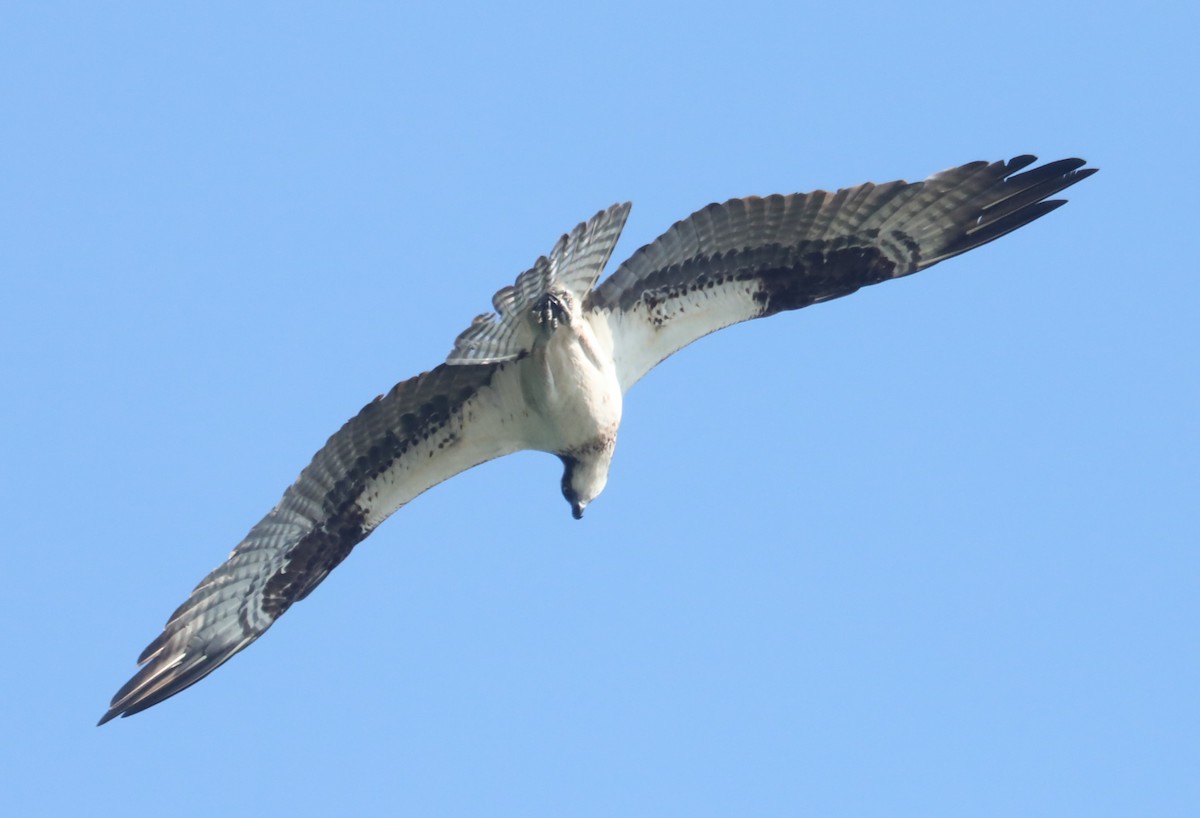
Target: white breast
(571, 385)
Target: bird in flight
(548, 370)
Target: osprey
(549, 369)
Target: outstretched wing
(423, 431)
(749, 258)
(574, 264)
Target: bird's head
(582, 481)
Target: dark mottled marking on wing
(779, 278)
(323, 548)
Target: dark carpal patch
(312, 558)
(819, 275)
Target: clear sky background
(928, 550)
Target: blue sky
(927, 550)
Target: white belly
(571, 385)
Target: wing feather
(399, 445)
(754, 257)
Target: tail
(573, 265)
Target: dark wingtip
(1017, 162)
(1016, 200)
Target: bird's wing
(423, 431)
(574, 264)
(754, 257)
